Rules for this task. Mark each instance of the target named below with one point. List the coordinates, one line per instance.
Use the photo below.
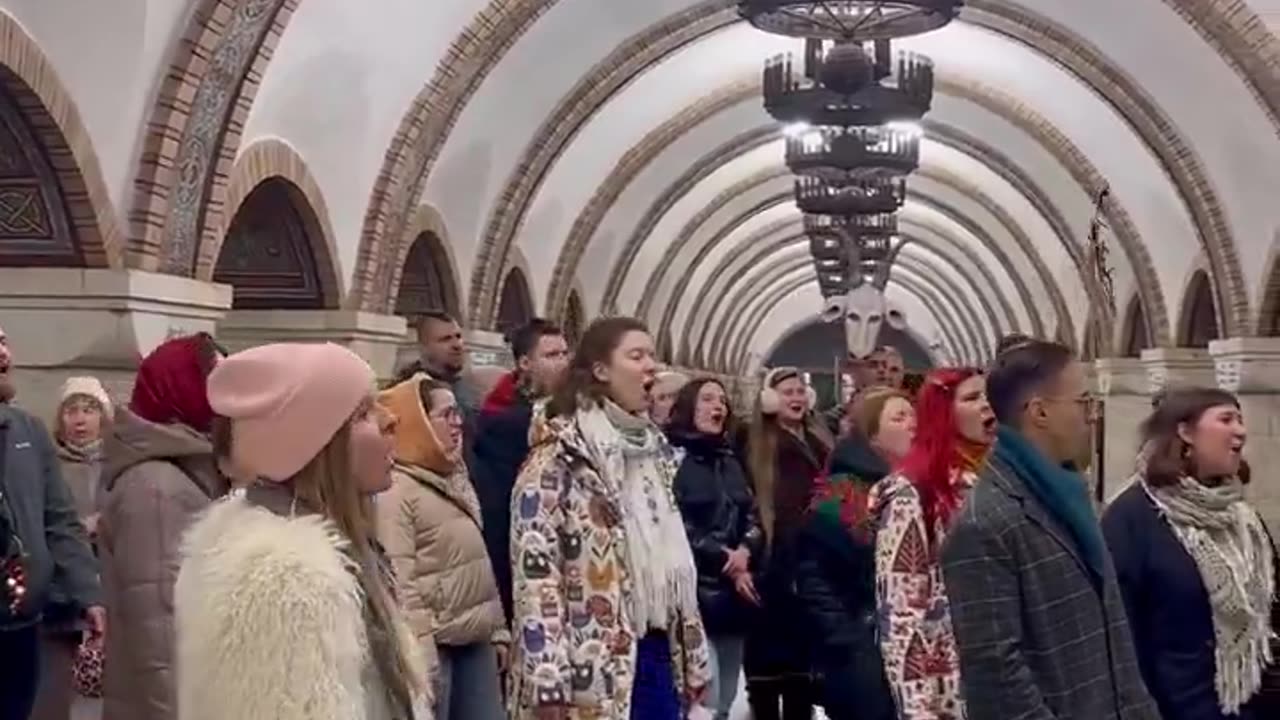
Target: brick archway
(260, 162)
(1198, 320)
(50, 115)
(428, 277)
(194, 131)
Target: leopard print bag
(86, 671)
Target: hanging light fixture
(840, 19)
(874, 195)
(843, 155)
(846, 85)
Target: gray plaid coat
(1036, 639)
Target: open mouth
(989, 424)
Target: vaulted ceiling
(619, 149)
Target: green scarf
(1063, 493)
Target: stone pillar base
(74, 321)
(376, 338)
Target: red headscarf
(170, 387)
(938, 448)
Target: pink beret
(286, 402)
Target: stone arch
(593, 90)
(421, 136)
(194, 131)
(262, 161)
(1198, 321)
(515, 302)
(58, 211)
(575, 317)
(274, 254)
(428, 277)
(1269, 303)
(1135, 335)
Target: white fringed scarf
(628, 451)
(1230, 546)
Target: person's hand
(96, 616)
(503, 652)
(746, 587)
(736, 561)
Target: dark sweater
(1168, 612)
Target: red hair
(937, 448)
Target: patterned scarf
(633, 457)
(1232, 551)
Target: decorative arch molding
(515, 300)
(1198, 319)
(1088, 64)
(757, 297)
(421, 136)
(1269, 300)
(47, 108)
(672, 251)
(1181, 164)
(625, 63)
(1135, 336)
(273, 251)
(1086, 175)
(273, 158)
(429, 268)
(194, 131)
(634, 161)
(735, 350)
(765, 256)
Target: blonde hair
(326, 485)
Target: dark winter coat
(501, 446)
(719, 515)
(37, 511)
(776, 646)
(1163, 592)
(835, 583)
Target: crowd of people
(271, 535)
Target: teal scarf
(1062, 492)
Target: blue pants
(726, 670)
(468, 687)
(654, 695)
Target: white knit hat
(89, 387)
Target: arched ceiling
(621, 147)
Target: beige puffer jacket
(429, 523)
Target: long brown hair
(597, 344)
(762, 451)
(327, 486)
(1168, 456)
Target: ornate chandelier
(839, 19)
(843, 155)
(874, 195)
(846, 86)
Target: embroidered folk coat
(574, 637)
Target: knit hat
(89, 387)
(286, 401)
(669, 381)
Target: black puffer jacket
(835, 582)
(719, 514)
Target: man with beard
(502, 436)
(890, 367)
(443, 355)
(45, 561)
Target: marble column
(1125, 389)
(75, 321)
(1250, 368)
(376, 338)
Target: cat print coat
(574, 641)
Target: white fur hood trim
(270, 621)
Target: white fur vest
(270, 622)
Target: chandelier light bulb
(906, 127)
(796, 129)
